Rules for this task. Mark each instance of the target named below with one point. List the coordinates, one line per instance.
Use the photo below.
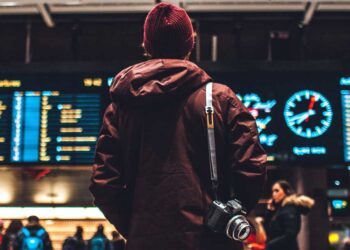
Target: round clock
(308, 113)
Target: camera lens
(243, 231)
(238, 228)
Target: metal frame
(12, 7)
(48, 7)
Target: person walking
(75, 242)
(151, 176)
(99, 241)
(283, 220)
(10, 238)
(33, 236)
(117, 242)
(1, 229)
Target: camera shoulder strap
(209, 110)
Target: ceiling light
(73, 2)
(8, 4)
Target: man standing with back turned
(151, 176)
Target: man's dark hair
(79, 232)
(115, 234)
(100, 228)
(33, 219)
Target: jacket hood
(157, 80)
(303, 202)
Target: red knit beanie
(168, 32)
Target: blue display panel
(52, 127)
(345, 98)
(5, 117)
(263, 112)
(50, 119)
(299, 116)
(55, 119)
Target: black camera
(228, 218)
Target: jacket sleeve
(106, 182)
(246, 155)
(291, 225)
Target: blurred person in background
(283, 220)
(99, 241)
(75, 242)
(257, 239)
(10, 238)
(1, 229)
(33, 236)
(346, 244)
(151, 176)
(117, 242)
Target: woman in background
(10, 238)
(283, 220)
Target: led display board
(303, 117)
(50, 120)
(55, 118)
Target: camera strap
(209, 110)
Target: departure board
(301, 118)
(50, 119)
(4, 126)
(49, 126)
(55, 118)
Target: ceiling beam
(45, 14)
(310, 9)
(48, 7)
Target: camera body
(228, 218)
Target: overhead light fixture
(5, 197)
(51, 213)
(8, 4)
(7, 191)
(73, 2)
(58, 195)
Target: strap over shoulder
(209, 110)
(25, 232)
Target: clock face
(308, 113)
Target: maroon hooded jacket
(151, 176)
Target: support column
(315, 226)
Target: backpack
(33, 242)
(70, 243)
(97, 243)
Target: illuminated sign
(110, 81)
(339, 204)
(345, 81)
(55, 118)
(345, 99)
(10, 83)
(261, 110)
(308, 113)
(333, 238)
(93, 82)
(49, 126)
(309, 151)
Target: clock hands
(311, 105)
(298, 111)
(299, 118)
